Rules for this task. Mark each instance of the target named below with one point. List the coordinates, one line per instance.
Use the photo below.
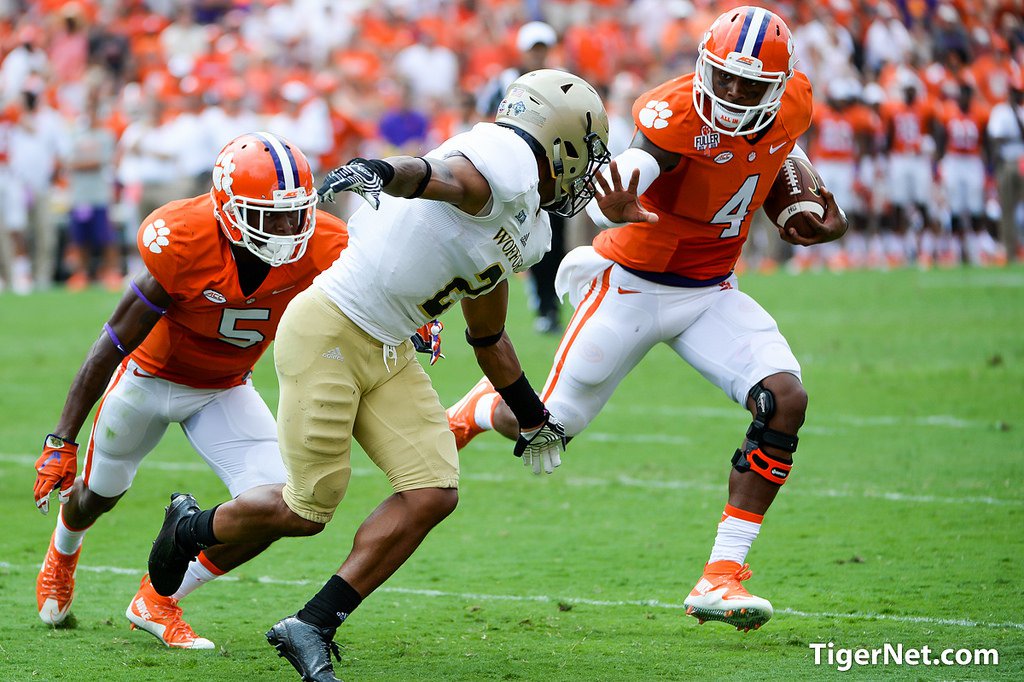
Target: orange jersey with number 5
(213, 334)
(706, 202)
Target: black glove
(364, 177)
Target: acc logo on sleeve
(154, 236)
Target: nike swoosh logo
(275, 292)
(628, 291)
(776, 147)
(137, 373)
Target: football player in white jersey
(346, 364)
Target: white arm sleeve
(628, 161)
(799, 153)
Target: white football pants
(232, 429)
(721, 332)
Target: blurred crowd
(112, 107)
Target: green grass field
(901, 525)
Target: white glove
(542, 446)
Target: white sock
(65, 540)
(734, 539)
(196, 574)
(484, 412)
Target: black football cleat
(307, 647)
(167, 561)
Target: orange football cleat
(161, 617)
(461, 419)
(55, 585)
(719, 595)
(79, 281)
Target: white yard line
(547, 599)
(625, 481)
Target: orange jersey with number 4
(706, 202)
(213, 334)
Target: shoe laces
(731, 581)
(58, 575)
(168, 613)
(742, 573)
(329, 645)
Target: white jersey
(410, 260)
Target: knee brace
(752, 457)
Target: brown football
(794, 195)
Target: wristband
(484, 341)
(422, 187)
(56, 442)
(382, 168)
(524, 402)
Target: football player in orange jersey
(180, 345)
(960, 139)
(840, 136)
(909, 183)
(707, 149)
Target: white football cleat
(161, 617)
(719, 595)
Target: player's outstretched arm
(541, 437)
(621, 204)
(626, 178)
(136, 314)
(454, 180)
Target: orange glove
(427, 339)
(55, 467)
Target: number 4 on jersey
(734, 212)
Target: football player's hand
(621, 205)
(358, 176)
(427, 339)
(55, 469)
(542, 446)
(829, 227)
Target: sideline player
(479, 212)
(220, 269)
(707, 150)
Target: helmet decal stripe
(753, 32)
(743, 31)
(285, 180)
(292, 165)
(760, 35)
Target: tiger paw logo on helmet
(654, 115)
(154, 237)
(222, 172)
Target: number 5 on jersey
(243, 338)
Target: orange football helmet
(750, 43)
(258, 174)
